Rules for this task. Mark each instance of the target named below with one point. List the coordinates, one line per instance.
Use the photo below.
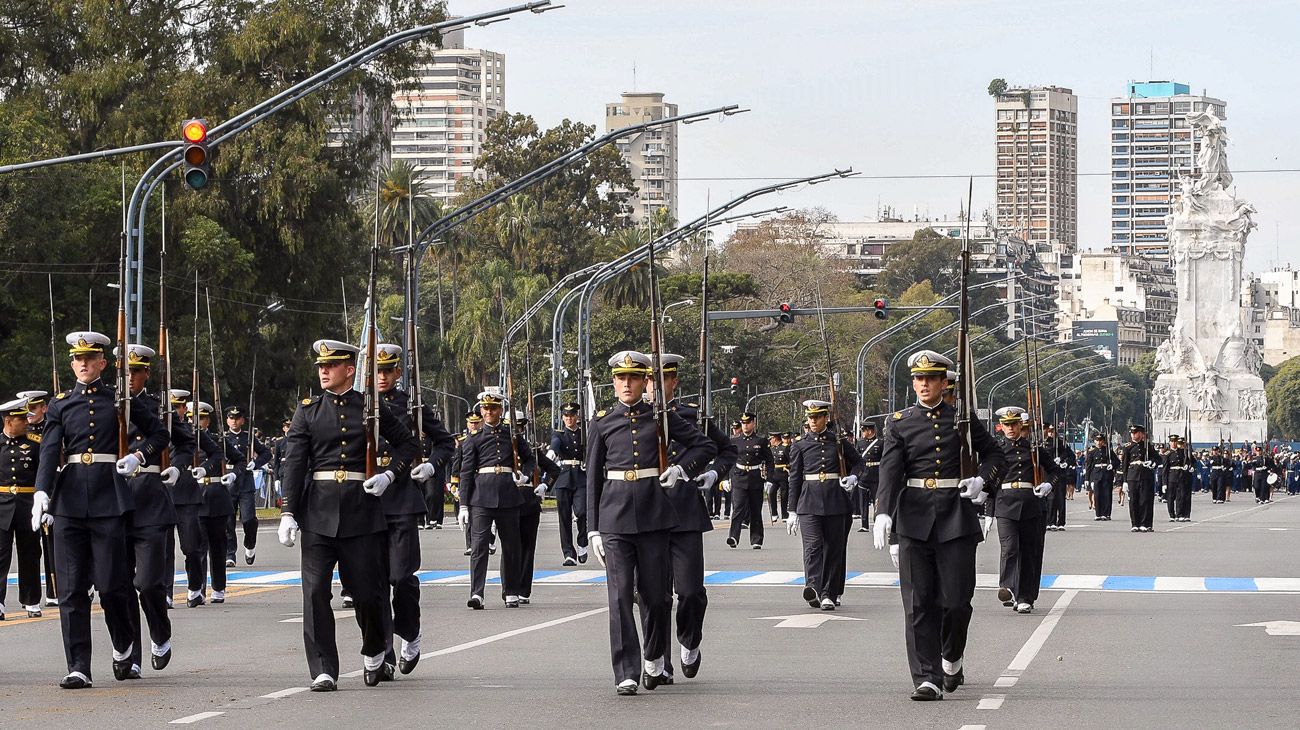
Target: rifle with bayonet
(219, 416)
(702, 415)
(123, 377)
(371, 380)
(656, 360)
(834, 425)
(194, 380)
(165, 410)
(965, 363)
(416, 393)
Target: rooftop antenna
(634, 77)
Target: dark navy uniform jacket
(781, 462)
(546, 471)
(692, 511)
(818, 454)
(490, 447)
(327, 434)
(567, 445)
(1099, 463)
(1138, 463)
(923, 443)
(1014, 496)
(1177, 467)
(237, 456)
(870, 450)
(153, 500)
(403, 496)
(19, 458)
(84, 421)
(751, 450)
(627, 437)
(186, 490)
(216, 498)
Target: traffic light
(882, 308)
(735, 385)
(786, 316)
(198, 156)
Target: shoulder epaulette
(601, 414)
(64, 394)
(898, 415)
(693, 405)
(308, 401)
(36, 437)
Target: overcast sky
(900, 89)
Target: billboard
(1103, 337)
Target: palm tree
(632, 287)
(398, 186)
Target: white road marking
(1225, 514)
(1277, 628)
(972, 727)
(517, 632)
(1004, 682)
(1040, 635)
(195, 718)
(991, 702)
(805, 620)
(284, 693)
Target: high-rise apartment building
(1037, 166)
(651, 155)
(1152, 146)
(439, 126)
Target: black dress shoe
(512, 604)
(651, 681)
(161, 662)
(324, 685)
(371, 677)
(1004, 595)
(122, 670)
(492, 550)
(72, 681)
(406, 666)
(32, 614)
(690, 670)
(952, 681)
(810, 596)
(926, 694)
(195, 602)
(475, 603)
(582, 558)
(627, 691)
(731, 542)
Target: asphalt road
(1131, 630)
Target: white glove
(597, 546)
(1126, 490)
(792, 524)
(550, 454)
(288, 531)
(985, 524)
(128, 464)
(767, 488)
(198, 473)
(707, 480)
(674, 474)
(267, 467)
(726, 485)
(971, 486)
(880, 531)
(251, 465)
(228, 479)
(540, 491)
(1043, 490)
(520, 478)
(170, 475)
(277, 485)
(847, 483)
(422, 472)
(378, 483)
(462, 517)
(893, 555)
(40, 511)
(979, 498)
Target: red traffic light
(787, 315)
(735, 381)
(881, 306)
(194, 131)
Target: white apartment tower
(1037, 166)
(1152, 146)
(439, 125)
(651, 155)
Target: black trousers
(640, 562)
(1171, 496)
(433, 491)
(1218, 484)
(1021, 565)
(528, 523)
(720, 500)
(1180, 497)
(937, 580)
(214, 550)
(481, 520)
(686, 567)
(825, 546)
(92, 551)
(1263, 491)
(749, 508)
(362, 563)
(1141, 504)
(147, 555)
(1103, 495)
(19, 533)
(189, 530)
(246, 506)
(571, 505)
(1056, 506)
(47, 554)
(780, 494)
(403, 563)
(865, 496)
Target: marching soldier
(277, 461)
(631, 517)
(1062, 456)
(1099, 467)
(245, 455)
(340, 513)
(214, 512)
(779, 494)
(749, 481)
(544, 472)
(1138, 462)
(490, 486)
(934, 512)
(473, 424)
(187, 497)
(571, 485)
(403, 504)
(91, 503)
(20, 454)
(37, 405)
(1177, 473)
(870, 448)
(1019, 505)
(1261, 466)
(1220, 467)
(821, 482)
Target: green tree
(929, 256)
(1283, 393)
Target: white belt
(872, 463)
(824, 476)
(338, 475)
(89, 458)
(933, 483)
(749, 467)
(1103, 466)
(495, 470)
(1017, 485)
(1181, 468)
(630, 475)
(1216, 467)
(571, 462)
(146, 470)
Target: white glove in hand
(726, 485)
(198, 473)
(462, 517)
(540, 491)
(767, 488)
(792, 524)
(893, 555)
(288, 531)
(128, 464)
(1125, 490)
(170, 475)
(378, 483)
(1043, 490)
(880, 531)
(251, 465)
(674, 474)
(707, 480)
(979, 498)
(277, 485)
(40, 511)
(847, 483)
(228, 479)
(550, 454)
(971, 486)
(422, 472)
(520, 478)
(597, 546)
(985, 524)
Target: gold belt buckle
(340, 475)
(930, 483)
(821, 476)
(13, 489)
(385, 460)
(629, 475)
(87, 458)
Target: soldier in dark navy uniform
(340, 513)
(491, 483)
(214, 511)
(20, 453)
(245, 455)
(822, 466)
(779, 494)
(749, 481)
(1065, 460)
(91, 500)
(869, 448)
(540, 477)
(1177, 473)
(1220, 475)
(187, 497)
(1099, 466)
(403, 504)
(473, 424)
(38, 402)
(1019, 505)
(571, 486)
(1138, 463)
(935, 514)
(631, 517)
